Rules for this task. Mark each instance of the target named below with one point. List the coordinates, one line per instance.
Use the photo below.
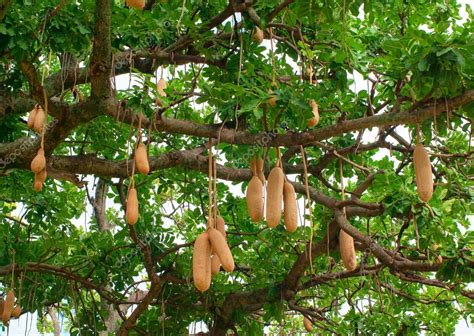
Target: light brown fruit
(202, 262)
(141, 159)
(39, 161)
(8, 306)
(423, 176)
(307, 324)
(40, 118)
(161, 86)
(215, 264)
(38, 186)
(31, 118)
(347, 250)
(275, 183)
(254, 198)
(131, 212)
(315, 119)
(220, 226)
(272, 101)
(220, 248)
(290, 210)
(2, 305)
(138, 4)
(16, 311)
(257, 35)
(40, 178)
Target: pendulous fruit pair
(213, 243)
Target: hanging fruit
(40, 178)
(275, 183)
(315, 109)
(215, 264)
(290, 210)
(131, 212)
(202, 262)
(161, 86)
(347, 250)
(8, 306)
(137, 4)
(39, 161)
(307, 324)
(32, 117)
(40, 118)
(220, 226)
(16, 311)
(141, 159)
(257, 35)
(220, 248)
(423, 175)
(254, 196)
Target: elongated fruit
(275, 183)
(220, 226)
(215, 264)
(39, 161)
(220, 248)
(131, 212)
(161, 86)
(141, 159)
(8, 306)
(257, 35)
(347, 250)
(307, 324)
(254, 198)
(32, 117)
(40, 118)
(202, 262)
(16, 311)
(315, 119)
(290, 211)
(2, 305)
(423, 176)
(138, 4)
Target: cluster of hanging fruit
(278, 189)
(211, 251)
(36, 122)
(8, 309)
(141, 164)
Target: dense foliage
(382, 73)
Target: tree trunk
(54, 319)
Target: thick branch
(101, 58)
(378, 251)
(289, 139)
